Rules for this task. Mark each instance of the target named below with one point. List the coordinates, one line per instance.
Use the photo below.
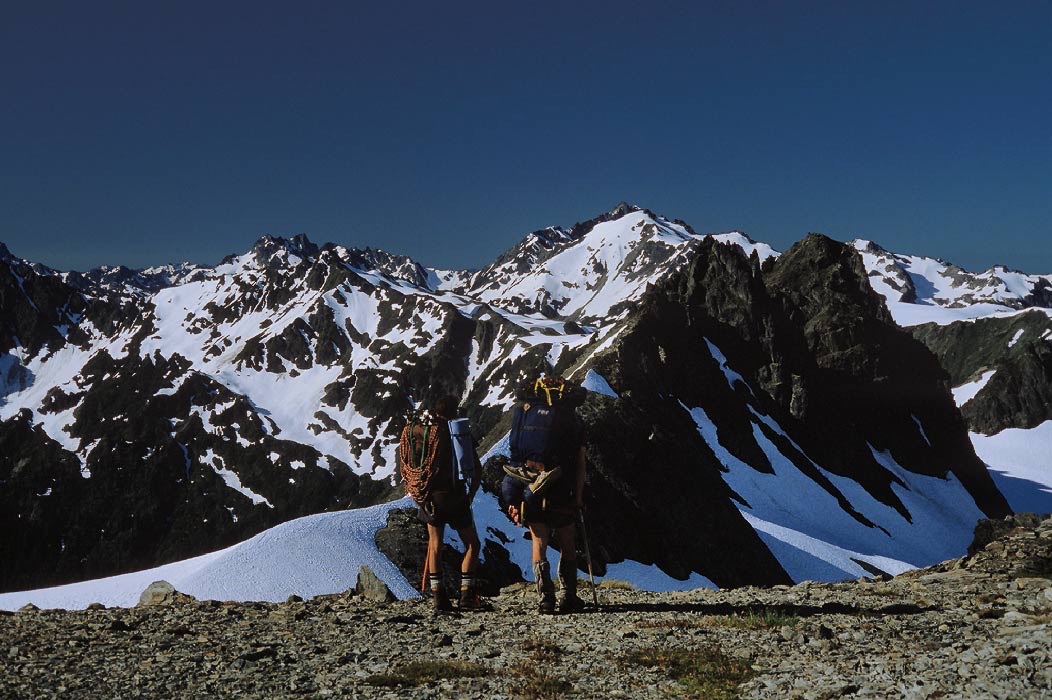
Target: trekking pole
(423, 580)
(588, 555)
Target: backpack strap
(549, 387)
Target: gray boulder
(371, 588)
(162, 593)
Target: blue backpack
(464, 456)
(532, 434)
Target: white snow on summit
(591, 276)
(943, 293)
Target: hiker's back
(543, 434)
(425, 456)
(546, 438)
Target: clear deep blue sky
(147, 132)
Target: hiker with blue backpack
(441, 472)
(544, 486)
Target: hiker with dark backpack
(438, 462)
(544, 486)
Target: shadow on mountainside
(1026, 496)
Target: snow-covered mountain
(992, 332)
(766, 402)
(593, 271)
(928, 290)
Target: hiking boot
(521, 473)
(568, 600)
(471, 601)
(545, 479)
(440, 602)
(545, 587)
(546, 606)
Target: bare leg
(541, 569)
(469, 597)
(540, 535)
(470, 538)
(566, 537)
(434, 548)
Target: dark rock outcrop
(1017, 349)
(867, 381)
(404, 541)
(820, 355)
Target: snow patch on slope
(966, 392)
(917, 314)
(944, 293)
(1020, 462)
(762, 250)
(596, 383)
(818, 538)
(232, 480)
(730, 374)
(310, 556)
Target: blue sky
(140, 133)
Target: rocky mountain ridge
(273, 384)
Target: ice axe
(588, 555)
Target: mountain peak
(5, 254)
(864, 246)
(398, 266)
(275, 250)
(622, 209)
(298, 245)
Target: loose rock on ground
(977, 627)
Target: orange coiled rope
(419, 467)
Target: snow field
(1021, 463)
(310, 556)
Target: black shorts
(555, 509)
(553, 516)
(447, 508)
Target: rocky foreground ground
(976, 627)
